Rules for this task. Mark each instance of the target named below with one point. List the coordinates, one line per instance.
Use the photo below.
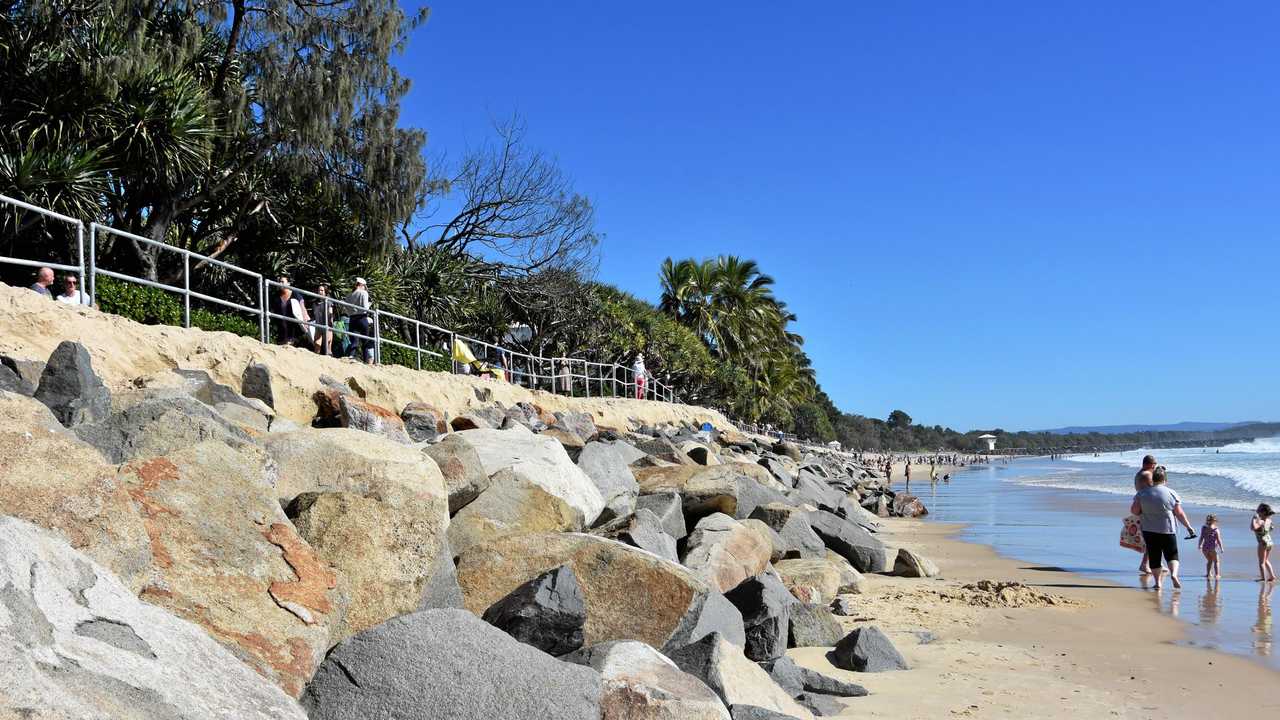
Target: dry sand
(123, 351)
(1066, 646)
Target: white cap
(360, 281)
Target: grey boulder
(159, 425)
(813, 625)
(607, 466)
(866, 649)
(70, 388)
(793, 528)
(447, 665)
(766, 615)
(670, 511)
(255, 382)
(548, 612)
(76, 643)
(641, 684)
(851, 541)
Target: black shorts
(1160, 545)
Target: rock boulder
(76, 643)
(440, 664)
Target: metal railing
(561, 375)
(185, 291)
(78, 268)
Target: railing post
(93, 265)
(84, 281)
(586, 374)
(417, 342)
(262, 308)
(453, 361)
(186, 290)
(377, 337)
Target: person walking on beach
(1142, 481)
(1211, 546)
(1160, 510)
(1261, 526)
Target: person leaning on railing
(360, 323)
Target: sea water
(1068, 514)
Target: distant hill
(1174, 427)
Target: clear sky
(984, 213)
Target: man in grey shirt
(1159, 507)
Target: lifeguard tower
(990, 440)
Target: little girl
(1261, 525)
(1211, 546)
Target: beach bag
(1131, 534)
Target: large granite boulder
(866, 649)
(796, 679)
(909, 506)
(734, 488)
(606, 464)
(813, 625)
(53, 480)
(663, 449)
(544, 462)
(913, 565)
(11, 381)
(255, 382)
(513, 504)
(464, 474)
(818, 580)
(724, 552)
(158, 425)
(668, 507)
(75, 642)
(642, 684)
(385, 550)
(345, 460)
(227, 558)
(423, 421)
(851, 541)
(766, 614)
(70, 388)
(643, 530)
(447, 664)
(360, 414)
(737, 680)
(629, 594)
(578, 423)
(792, 525)
(548, 612)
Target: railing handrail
(561, 372)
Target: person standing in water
(1161, 509)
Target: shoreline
(1110, 653)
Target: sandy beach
(1099, 651)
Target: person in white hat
(641, 375)
(360, 323)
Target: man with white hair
(360, 323)
(44, 279)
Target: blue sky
(986, 214)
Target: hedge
(153, 306)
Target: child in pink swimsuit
(1211, 546)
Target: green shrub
(153, 306)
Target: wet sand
(1106, 652)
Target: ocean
(1068, 513)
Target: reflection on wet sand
(1262, 629)
(1210, 606)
